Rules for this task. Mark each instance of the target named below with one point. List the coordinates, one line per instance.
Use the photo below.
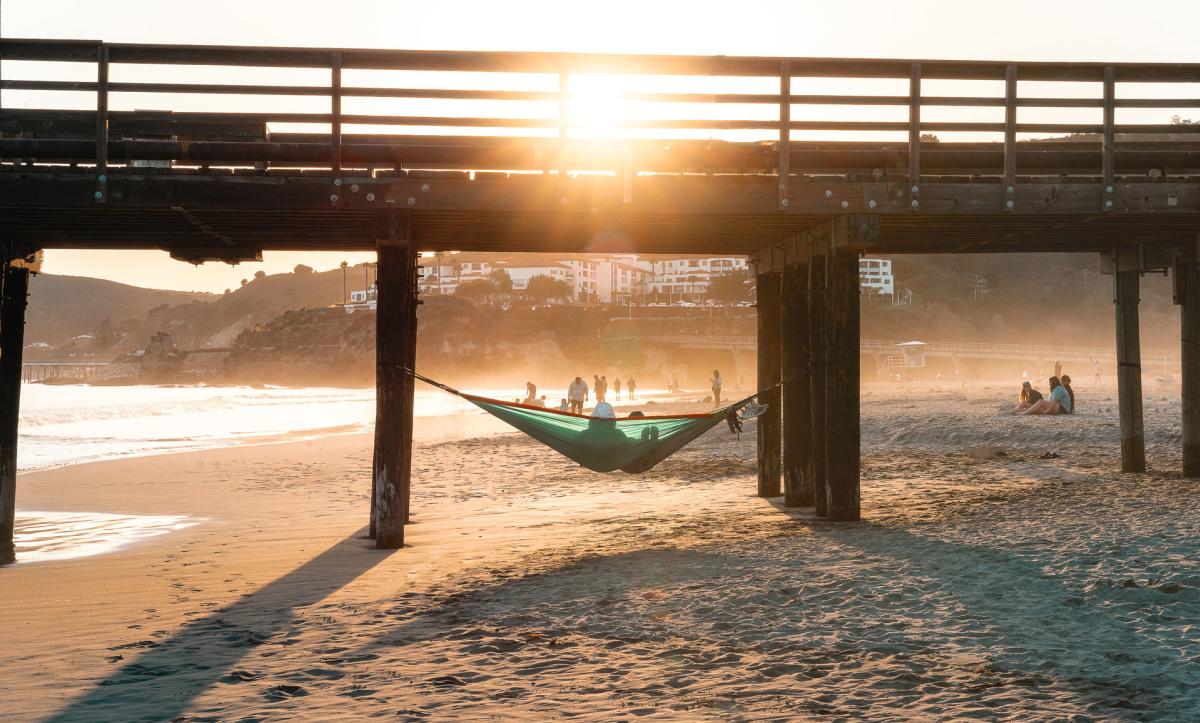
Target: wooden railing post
(102, 124)
(1010, 138)
(785, 132)
(1108, 148)
(335, 137)
(914, 135)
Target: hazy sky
(1018, 30)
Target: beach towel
(628, 444)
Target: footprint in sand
(284, 691)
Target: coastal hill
(62, 307)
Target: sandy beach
(1003, 570)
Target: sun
(597, 106)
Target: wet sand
(1002, 570)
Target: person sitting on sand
(1066, 382)
(1029, 397)
(563, 405)
(1059, 402)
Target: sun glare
(597, 106)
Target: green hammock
(629, 444)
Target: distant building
(875, 276)
(363, 300)
(688, 277)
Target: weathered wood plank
(797, 394)
(769, 423)
(1129, 371)
(1188, 296)
(842, 388)
(12, 333)
(818, 330)
(395, 339)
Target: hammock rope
(629, 444)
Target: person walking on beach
(1096, 372)
(596, 388)
(577, 394)
(631, 385)
(601, 388)
(716, 387)
(530, 392)
(617, 388)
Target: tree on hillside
(503, 281)
(480, 291)
(245, 281)
(543, 288)
(302, 269)
(731, 287)
(260, 274)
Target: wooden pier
(801, 200)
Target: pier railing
(459, 110)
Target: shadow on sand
(162, 682)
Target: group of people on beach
(1061, 399)
(578, 393)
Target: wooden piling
(1188, 296)
(395, 324)
(13, 294)
(1129, 371)
(769, 423)
(842, 388)
(797, 393)
(817, 336)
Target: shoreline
(1016, 584)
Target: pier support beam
(13, 294)
(769, 432)
(1187, 295)
(818, 328)
(797, 394)
(395, 344)
(842, 388)
(1129, 370)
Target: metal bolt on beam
(916, 189)
(333, 197)
(1009, 204)
(783, 202)
(412, 201)
(1108, 189)
(872, 203)
(828, 193)
(99, 195)
(354, 188)
(915, 203)
(370, 197)
(1011, 189)
(845, 204)
(425, 188)
(102, 178)
(337, 181)
(1108, 204)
